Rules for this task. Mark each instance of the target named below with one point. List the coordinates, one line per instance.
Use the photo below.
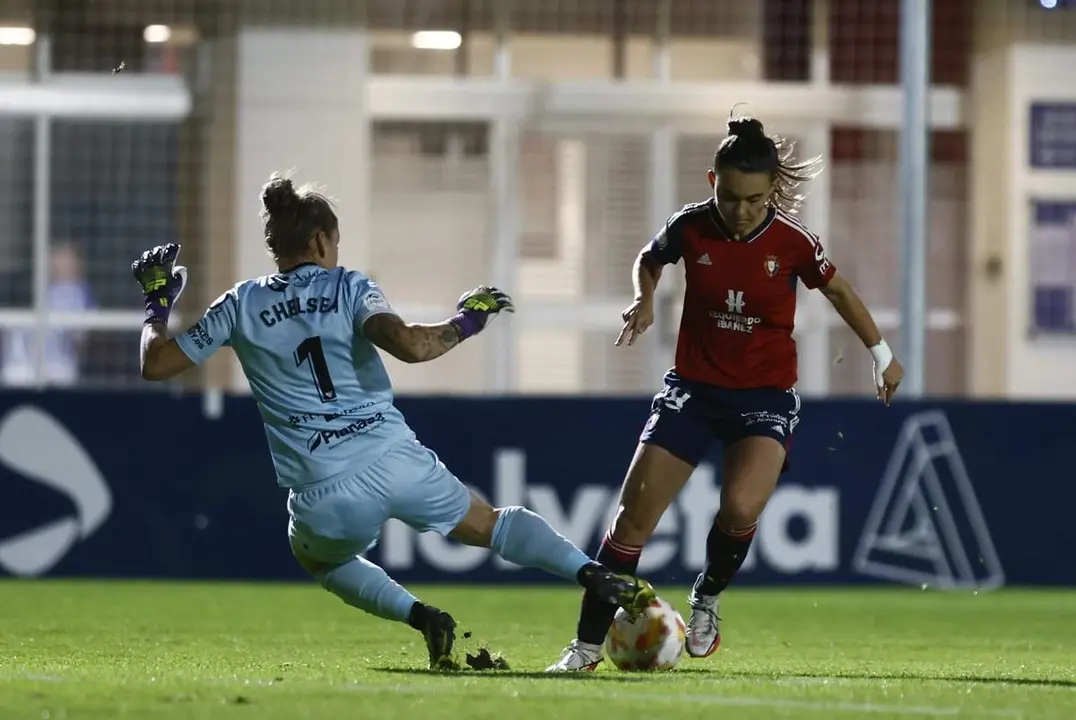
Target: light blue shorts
(334, 522)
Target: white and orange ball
(652, 641)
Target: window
(1052, 246)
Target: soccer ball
(653, 641)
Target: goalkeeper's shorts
(334, 521)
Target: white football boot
(577, 657)
(703, 635)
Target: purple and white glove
(161, 279)
(477, 308)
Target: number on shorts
(675, 398)
(311, 349)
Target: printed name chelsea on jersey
(295, 307)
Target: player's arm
(645, 274)
(164, 358)
(410, 342)
(161, 358)
(162, 283)
(816, 271)
(665, 249)
(417, 342)
(851, 308)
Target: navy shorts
(687, 417)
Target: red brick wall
(864, 40)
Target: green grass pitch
(192, 650)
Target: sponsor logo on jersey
(297, 420)
(734, 319)
(375, 301)
(348, 432)
(200, 336)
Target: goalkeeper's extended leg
(525, 538)
(433, 499)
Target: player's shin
(524, 538)
(726, 550)
(366, 586)
(596, 615)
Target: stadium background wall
(940, 495)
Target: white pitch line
(598, 694)
(714, 700)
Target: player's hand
(478, 307)
(890, 380)
(637, 319)
(161, 280)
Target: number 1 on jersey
(311, 349)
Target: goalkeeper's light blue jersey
(324, 394)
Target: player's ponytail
(749, 149)
(291, 217)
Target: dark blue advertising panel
(945, 495)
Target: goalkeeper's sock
(524, 538)
(725, 552)
(366, 586)
(596, 615)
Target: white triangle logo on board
(926, 526)
(36, 446)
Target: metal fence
(538, 143)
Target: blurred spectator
(68, 291)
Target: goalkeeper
(306, 338)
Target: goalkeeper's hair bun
(279, 197)
(292, 217)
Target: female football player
(307, 338)
(735, 371)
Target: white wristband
(882, 356)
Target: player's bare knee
(743, 502)
(735, 520)
(476, 528)
(741, 506)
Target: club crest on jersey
(771, 265)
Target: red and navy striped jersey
(740, 303)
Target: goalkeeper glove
(161, 279)
(477, 308)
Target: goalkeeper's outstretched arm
(410, 342)
(415, 343)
